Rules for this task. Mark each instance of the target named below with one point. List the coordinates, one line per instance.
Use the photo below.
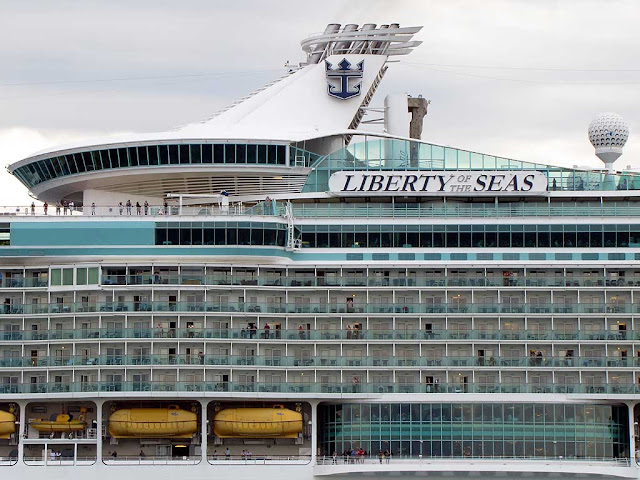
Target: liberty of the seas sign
(416, 183)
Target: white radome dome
(608, 130)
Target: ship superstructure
(276, 289)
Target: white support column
(632, 434)
(99, 406)
(203, 431)
(75, 453)
(22, 430)
(314, 432)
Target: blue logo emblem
(341, 80)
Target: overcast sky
(519, 79)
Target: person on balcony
(267, 329)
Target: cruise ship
(281, 289)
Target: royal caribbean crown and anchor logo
(342, 80)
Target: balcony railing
(358, 210)
(314, 308)
(544, 361)
(247, 333)
(318, 388)
(276, 208)
(149, 278)
(480, 210)
(23, 282)
(365, 281)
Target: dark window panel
(270, 236)
(163, 152)
(79, 162)
(46, 163)
(161, 236)
(281, 155)
(244, 236)
(195, 153)
(241, 154)
(97, 159)
(133, 157)
(143, 158)
(105, 159)
(73, 168)
(185, 236)
(174, 155)
(220, 236)
(184, 154)
(88, 161)
(207, 153)
(272, 155)
(42, 170)
(152, 151)
(173, 235)
(196, 236)
(262, 154)
(218, 154)
(209, 236)
(252, 153)
(62, 160)
(257, 236)
(229, 153)
(123, 157)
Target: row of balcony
(24, 282)
(318, 388)
(311, 308)
(362, 281)
(320, 361)
(248, 333)
(335, 281)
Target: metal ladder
(293, 244)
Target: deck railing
(329, 333)
(151, 279)
(335, 388)
(341, 210)
(542, 361)
(315, 308)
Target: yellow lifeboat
(276, 422)
(7, 424)
(62, 422)
(153, 423)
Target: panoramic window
(228, 233)
(463, 236)
(143, 156)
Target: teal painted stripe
(82, 233)
(308, 255)
(141, 251)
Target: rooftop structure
(608, 133)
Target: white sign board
(417, 183)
